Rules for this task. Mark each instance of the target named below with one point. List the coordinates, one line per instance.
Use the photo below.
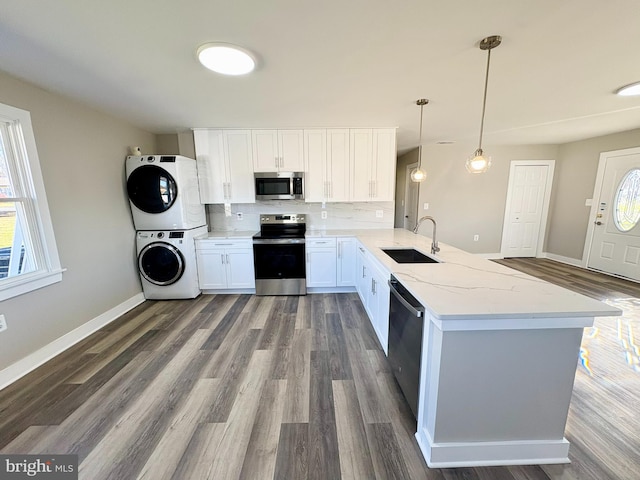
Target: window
(627, 201)
(28, 253)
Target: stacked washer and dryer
(168, 216)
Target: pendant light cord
(420, 139)
(484, 98)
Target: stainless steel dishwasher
(406, 317)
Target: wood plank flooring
(238, 386)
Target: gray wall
(82, 153)
(466, 204)
(167, 144)
(574, 182)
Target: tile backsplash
(339, 215)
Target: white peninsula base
(497, 392)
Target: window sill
(29, 282)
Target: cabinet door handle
(222, 258)
(339, 249)
(228, 262)
(374, 188)
(363, 270)
(361, 249)
(229, 190)
(373, 286)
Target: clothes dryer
(163, 192)
(167, 263)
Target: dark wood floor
(239, 386)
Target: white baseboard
(32, 361)
(485, 454)
(568, 260)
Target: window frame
(26, 164)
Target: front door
(527, 206)
(615, 245)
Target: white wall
(82, 153)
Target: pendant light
(417, 174)
(479, 162)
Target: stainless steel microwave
(279, 186)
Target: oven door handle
(278, 241)
(414, 311)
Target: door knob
(598, 222)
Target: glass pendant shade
(418, 175)
(478, 163)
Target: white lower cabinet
(373, 289)
(225, 264)
(346, 264)
(321, 262)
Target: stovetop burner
(281, 226)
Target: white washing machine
(167, 263)
(163, 192)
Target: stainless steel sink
(408, 255)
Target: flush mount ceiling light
(629, 90)
(226, 58)
(417, 174)
(479, 162)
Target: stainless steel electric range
(279, 255)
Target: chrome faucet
(434, 242)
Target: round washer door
(152, 189)
(161, 263)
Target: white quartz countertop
(229, 235)
(465, 286)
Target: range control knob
(160, 234)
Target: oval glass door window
(627, 201)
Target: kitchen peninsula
(499, 354)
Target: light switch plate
(379, 213)
(3, 323)
(588, 202)
(426, 206)
(323, 214)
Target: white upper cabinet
(373, 164)
(225, 167)
(315, 155)
(338, 171)
(278, 150)
(340, 164)
(327, 165)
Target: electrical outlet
(323, 214)
(476, 238)
(426, 206)
(239, 216)
(379, 213)
(3, 323)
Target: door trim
(407, 182)
(545, 204)
(597, 190)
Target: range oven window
(273, 186)
(277, 261)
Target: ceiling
(337, 63)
